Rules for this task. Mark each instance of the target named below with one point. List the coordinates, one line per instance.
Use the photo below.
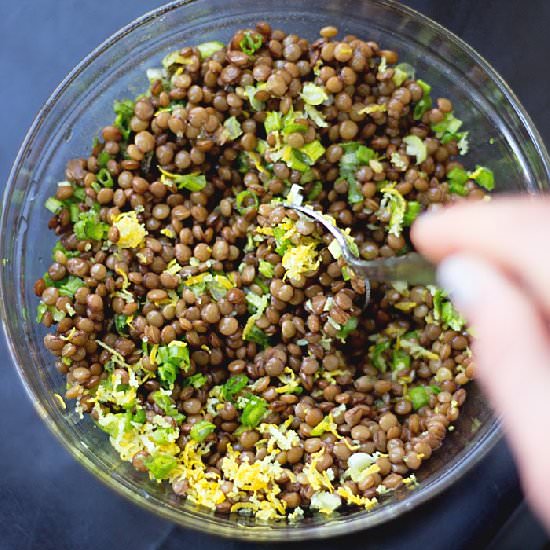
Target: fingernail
(466, 278)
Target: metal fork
(411, 267)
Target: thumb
(512, 355)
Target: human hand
(494, 260)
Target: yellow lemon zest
(153, 354)
(345, 492)
(301, 259)
(131, 232)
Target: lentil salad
(218, 337)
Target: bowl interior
(502, 137)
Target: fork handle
(412, 267)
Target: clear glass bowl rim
(466, 459)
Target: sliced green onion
(197, 380)
(401, 360)
(312, 94)
(266, 269)
(347, 328)
(233, 386)
(254, 411)
(201, 430)
(425, 103)
(483, 177)
(416, 148)
(243, 196)
(233, 128)
(207, 49)
(160, 465)
(315, 191)
(419, 396)
(104, 178)
(413, 210)
(251, 43)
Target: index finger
(510, 232)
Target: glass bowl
(502, 137)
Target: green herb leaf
(447, 129)
(41, 309)
(295, 159)
(103, 158)
(355, 155)
(313, 151)
(139, 416)
(167, 373)
(451, 317)
(70, 285)
(251, 42)
(283, 244)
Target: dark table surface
(48, 501)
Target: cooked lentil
(217, 336)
